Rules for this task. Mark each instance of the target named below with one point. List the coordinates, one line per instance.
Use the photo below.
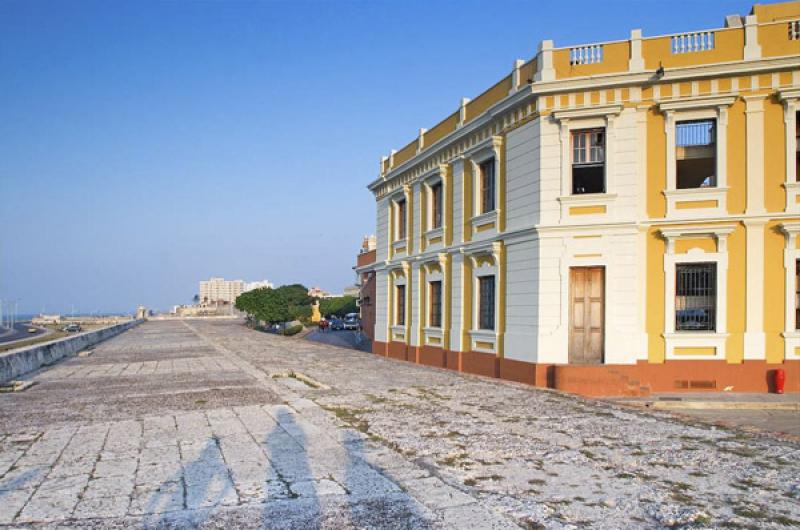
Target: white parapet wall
(15, 363)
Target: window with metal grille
(436, 205)
(486, 302)
(487, 186)
(435, 318)
(696, 154)
(588, 161)
(400, 315)
(794, 30)
(695, 296)
(401, 219)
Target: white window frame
(428, 181)
(791, 106)
(791, 335)
(696, 339)
(480, 268)
(689, 109)
(398, 244)
(434, 275)
(399, 279)
(591, 118)
(491, 147)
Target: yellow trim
(596, 255)
(484, 345)
(484, 227)
(585, 210)
(586, 237)
(434, 240)
(466, 282)
(501, 293)
(447, 179)
(501, 185)
(696, 351)
(690, 205)
(434, 340)
(447, 289)
(706, 244)
(467, 201)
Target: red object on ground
(780, 381)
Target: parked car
(352, 321)
(32, 330)
(336, 323)
(71, 328)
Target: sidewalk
(769, 412)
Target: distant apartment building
(220, 290)
(612, 217)
(318, 292)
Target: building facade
(216, 290)
(365, 276)
(609, 218)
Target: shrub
(293, 330)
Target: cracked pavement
(210, 424)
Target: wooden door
(586, 315)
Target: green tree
(340, 305)
(288, 302)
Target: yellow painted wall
(774, 40)
(498, 91)
(774, 156)
(737, 162)
(728, 46)
(467, 206)
(448, 206)
(656, 348)
(774, 290)
(656, 164)
(615, 59)
(441, 129)
(706, 244)
(777, 11)
(736, 294)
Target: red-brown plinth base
(638, 379)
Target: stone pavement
(201, 424)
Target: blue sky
(147, 145)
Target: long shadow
(286, 449)
(369, 506)
(198, 478)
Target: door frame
(604, 301)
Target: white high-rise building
(217, 290)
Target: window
(487, 186)
(695, 296)
(588, 161)
(436, 205)
(435, 317)
(400, 316)
(696, 154)
(401, 219)
(486, 302)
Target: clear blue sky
(147, 145)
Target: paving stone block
(92, 507)
(156, 498)
(11, 502)
(116, 468)
(435, 494)
(109, 487)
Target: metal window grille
(436, 305)
(486, 302)
(436, 200)
(696, 297)
(794, 30)
(401, 219)
(487, 186)
(695, 133)
(400, 317)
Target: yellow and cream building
(614, 217)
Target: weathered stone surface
(182, 425)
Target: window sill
(582, 198)
(433, 332)
(399, 244)
(687, 203)
(434, 232)
(695, 339)
(484, 221)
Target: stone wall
(15, 363)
